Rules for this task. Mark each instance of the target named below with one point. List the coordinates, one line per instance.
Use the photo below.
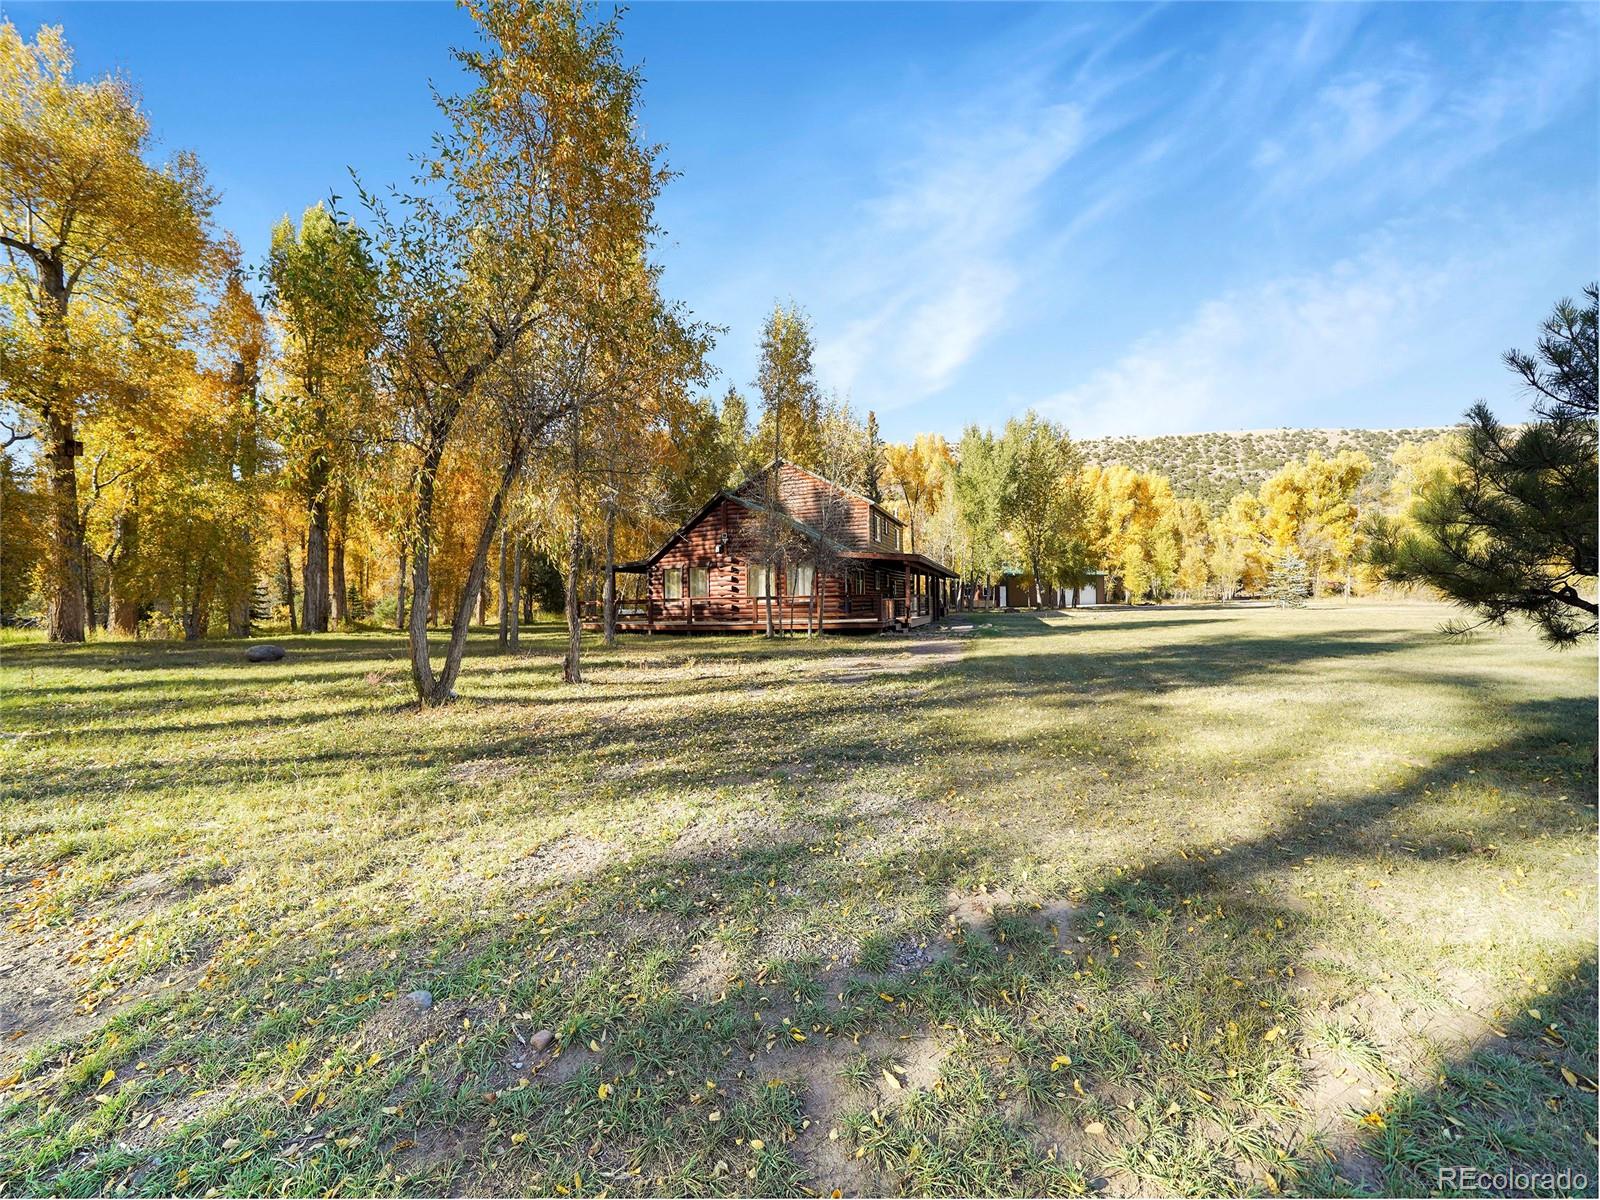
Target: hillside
(1217, 466)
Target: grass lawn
(1179, 900)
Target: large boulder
(264, 653)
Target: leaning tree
(538, 161)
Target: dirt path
(917, 655)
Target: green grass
(1186, 900)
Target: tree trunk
(400, 594)
(525, 581)
(239, 605)
(197, 616)
(772, 586)
(514, 631)
(610, 606)
(504, 632)
(315, 571)
(439, 689)
(341, 598)
(572, 665)
(86, 572)
(422, 677)
(122, 607)
(288, 584)
(66, 581)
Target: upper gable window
(884, 531)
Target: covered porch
(870, 593)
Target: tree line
(467, 395)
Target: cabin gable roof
(780, 464)
(848, 548)
(744, 502)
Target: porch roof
(901, 559)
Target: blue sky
(1135, 219)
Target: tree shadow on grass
(1165, 1034)
(1152, 985)
(1516, 1104)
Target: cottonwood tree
(1511, 531)
(237, 346)
(983, 480)
(832, 525)
(1132, 528)
(918, 471)
(1311, 505)
(95, 240)
(1043, 505)
(1192, 524)
(737, 449)
(25, 542)
(655, 353)
(322, 294)
(536, 157)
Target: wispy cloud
(1316, 343)
(1009, 223)
(1349, 121)
(1405, 122)
(927, 271)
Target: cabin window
(802, 577)
(760, 581)
(884, 531)
(672, 583)
(699, 581)
(858, 583)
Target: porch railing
(719, 610)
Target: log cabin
(826, 558)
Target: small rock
(422, 999)
(264, 653)
(541, 1039)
